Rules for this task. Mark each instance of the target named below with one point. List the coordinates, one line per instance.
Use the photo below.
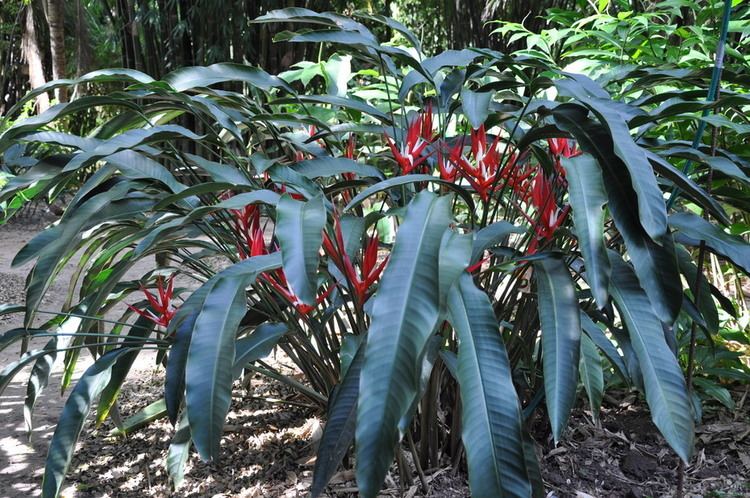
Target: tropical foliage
(471, 234)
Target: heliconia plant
(532, 236)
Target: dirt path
(22, 459)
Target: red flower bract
(419, 135)
(161, 310)
(551, 217)
(370, 270)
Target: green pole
(713, 91)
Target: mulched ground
(268, 451)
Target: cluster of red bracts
(370, 270)
(487, 167)
(277, 279)
(161, 309)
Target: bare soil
(268, 447)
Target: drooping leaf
(561, 335)
(338, 433)
(587, 198)
(476, 106)
(71, 421)
(666, 392)
(491, 413)
(179, 451)
(691, 229)
(299, 228)
(592, 375)
(148, 414)
(404, 314)
(650, 201)
(654, 260)
(40, 373)
(491, 235)
(208, 380)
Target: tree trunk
(84, 55)
(33, 55)
(56, 20)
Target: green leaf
(587, 198)
(490, 236)
(455, 254)
(604, 344)
(404, 314)
(141, 328)
(561, 335)
(706, 305)
(143, 417)
(299, 228)
(12, 369)
(208, 378)
(198, 76)
(476, 106)
(338, 433)
(491, 413)
(691, 229)
(326, 166)
(404, 180)
(40, 373)
(257, 345)
(179, 451)
(592, 376)
(71, 421)
(654, 260)
(650, 201)
(666, 392)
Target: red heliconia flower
(448, 170)
(277, 278)
(562, 147)
(162, 311)
(482, 172)
(551, 216)
(419, 136)
(370, 270)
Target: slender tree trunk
(84, 55)
(33, 55)
(56, 20)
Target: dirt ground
(268, 448)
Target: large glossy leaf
(666, 392)
(71, 421)
(404, 180)
(691, 229)
(299, 228)
(587, 198)
(491, 413)
(257, 345)
(604, 344)
(561, 335)
(404, 314)
(11, 369)
(327, 166)
(140, 329)
(338, 433)
(476, 106)
(650, 201)
(490, 236)
(40, 373)
(208, 376)
(179, 451)
(654, 260)
(197, 76)
(592, 375)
